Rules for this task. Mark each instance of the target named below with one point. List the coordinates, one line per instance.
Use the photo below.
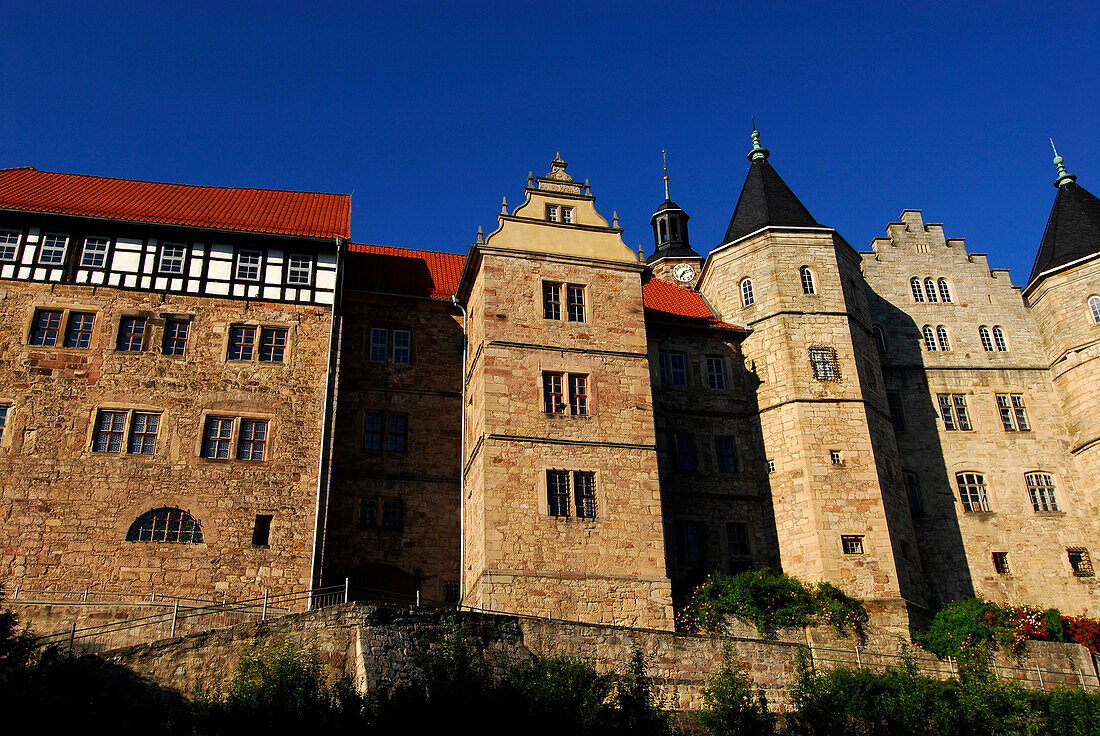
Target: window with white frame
(248, 265)
(1013, 412)
(918, 291)
(987, 338)
(825, 365)
(172, 257)
(930, 290)
(716, 372)
(807, 277)
(945, 291)
(945, 343)
(1040, 486)
(390, 345)
(972, 491)
(1094, 309)
(95, 252)
(9, 244)
(299, 270)
(673, 368)
(929, 338)
(953, 412)
(999, 340)
(747, 296)
(53, 249)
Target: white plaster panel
(291, 294)
(55, 275)
(325, 298)
(196, 263)
(271, 292)
(97, 277)
(274, 274)
(177, 285)
(217, 287)
(160, 284)
(129, 244)
(7, 272)
(24, 273)
(219, 270)
(28, 253)
(127, 261)
(131, 280)
(146, 282)
(81, 277)
(39, 274)
(305, 295)
(238, 290)
(193, 286)
(326, 279)
(253, 290)
(114, 279)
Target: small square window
(551, 213)
(175, 336)
(47, 323)
(248, 265)
(242, 342)
(143, 433)
(131, 334)
(567, 214)
(272, 344)
(771, 466)
(172, 257)
(450, 593)
(852, 544)
(79, 334)
(1080, 562)
(253, 439)
(95, 252)
(9, 244)
(53, 249)
(1000, 563)
(299, 270)
(261, 531)
(835, 458)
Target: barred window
(109, 430)
(175, 336)
(79, 334)
(557, 492)
(825, 364)
(47, 323)
(807, 277)
(584, 491)
(929, 338)
(248, 265)
(299, 270)
(9, 244)
(272, 344)
(53, 249)
(131, 334)
(673, 368)
(551, 300)
(575, 298)
(1000, 563)
(747, 296)
(941, 333)
(1040, 486)
(986, 338)
(930, 290)
(852, 544)
(216, 438)
(945, 292)
(918, 292)
(95, 252)
(242, 342)
(1080, 561)
(913, 493)
(252, 440)
(172, 257)
(972, 491)
(725, 455)
(1013, 412)
(143, 432)
(1000, 340)
(716, 372)
(165, 525)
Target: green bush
(731, 706)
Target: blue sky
(431, 112)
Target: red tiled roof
(307, 214)
(665, 299)
(402, 270)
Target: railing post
(152, 596)
(16, 596)
(1039, 672)
(175, 613)
(72, 637)
(418, 599)
(347, 587)
(84, 599)
(263, 613)
(859, 660)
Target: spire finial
(1063, 176)
(504, 205)
(615, 218)
(758, 152)
(480, 235)
(664, 157)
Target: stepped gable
(1073, 230)
(305, 214)
(389, 270)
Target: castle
(212, 392)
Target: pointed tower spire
(758, 152)
(664, 157)
(1063, 176)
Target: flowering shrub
(1082, 630)
(770, 601)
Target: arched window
(945, 292)
(880, 338)
(165, 525)
(987, 339)
(807, 280)
(930, 289)
(1094, 307)
(747, 296)
(941, 332)
(662, 227)
(1040, 486)
(930, 338)
(972, 491)
(918, 292)
(999, 340)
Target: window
(575, 295)
(110, 427)
(402, 347)
(261, 531)
(558, 213)
(684, 446)
(953, 412)
(945, 291)
(131, 334)
(999, 340)
(272, 344)
(53, 249)
(825, 364)
(553, 387)
(807, 277)
(852, 544)
(918, 292)
(252, 439)
(930, 290)
(692, 543)
(663, 453)
(9, 244)
(557, 492)
(551, 213)
(835, 458)
(771, 466)
(893, 401)
(941, 333)
(578, 394)
(913, 493)
(216, 438)
(389, 431)
(172, 257)
(929, 338)
(1094, 309)
(450, 593)
(584, 492)
(737, 542)
(986, 337)
(175, 336)
(1000, 563)
(747, 296)
(242, 342)
(165, 525)
(299, 270)
(1080, 562)
(394, 346)
(567, 214)
(1013, 412)
(1040, 486)
(382, 513)
(673, 368)
(972, 491)
(4, 409)
(143, 432)
(724, 453)
(248, 265)
(716, 373)
(95, 252)
(79, 333)
(47, 323)
(379, 344)
(880, 338)
(551, 300)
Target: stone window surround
(541, 489)
(1093, 304)
(384, 431)
(572, 401)
(121, 338)
(269, 442)
(717, 380)
(809, 283)
(975, 499)
(852, 544)
(257, 343)
(563, 310)
(65, 310)
(1042, 492)
(392, 332)
(188, 526)
(129, 409)
(824, 363)
(380, 505)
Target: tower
(840, 512)
(673, 258)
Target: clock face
(684, 272)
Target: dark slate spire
(765, 199)
(670, 230)
(1073, 230)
